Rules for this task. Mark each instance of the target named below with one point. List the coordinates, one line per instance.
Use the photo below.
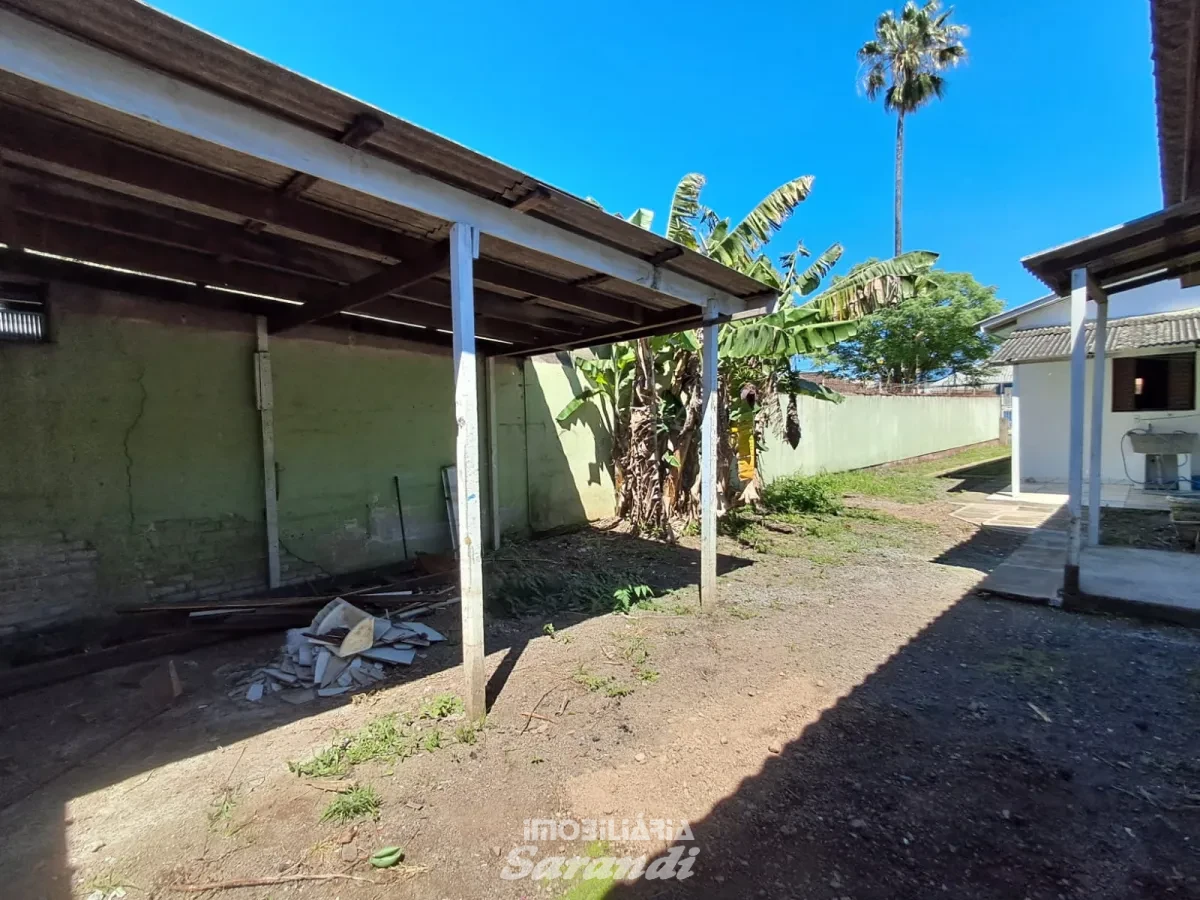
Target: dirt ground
(854, 722)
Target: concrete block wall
(44, 578)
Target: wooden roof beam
(386, 281)
(590, 303)
(35, 141)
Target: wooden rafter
(386, 281)
(85, 155)
(590, 303)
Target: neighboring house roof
(1009, 316)
(1132, 333)
(998, 375)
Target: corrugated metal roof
(155, 39)
(1132, 333)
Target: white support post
(1078, 345)
(493, 452)
(708, 470)
(1014, 432)
(264, 394)
(1097, 431)
(464, 248)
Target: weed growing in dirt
(389, 738)
(518, 585)
(359, 802)
(441, 706)
(814, 494)
(465, 733)
(327, 763)
(222, 810)
(627, 597)
(548, 630)
(106, 883)
(386, 738)
(604, 684)
(741, 612)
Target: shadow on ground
(1006, 751)
(69, 739)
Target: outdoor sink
(1163, 442)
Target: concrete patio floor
(1149, 584)
(1115, 496)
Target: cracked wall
(132, 466)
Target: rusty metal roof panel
(1132, 333)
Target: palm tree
(904, 62)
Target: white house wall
(1044, 401)
(1161, 297)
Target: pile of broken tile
(342, 649)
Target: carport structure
(139, 154)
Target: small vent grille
(22, 314)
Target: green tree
(925, 337)
(904, 63)
(648, 391)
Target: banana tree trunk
(643, 475)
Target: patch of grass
(961, 460)
(647, 674)
(519, 585)
(387, 738)
(548, 630)
(607, 685)
(813, 494)
(359, 802)
(466, 733)
(738, 611)
(432, 741)
(591, 888)
(328, 763)
(442, 705)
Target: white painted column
(464, 248)
(493, 453)
(1078, 345)
(1099, 363)
(264, 394)
(1014, 432)
(708, 469)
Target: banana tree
(656, 412)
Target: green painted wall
(871, 430)
(133, 466)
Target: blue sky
(1046, 134)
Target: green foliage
(466, 733)
(441, 706)
(360, 802)
(607, 685)
(924, 337)
(328, 763)
(905, 59)
(432, 741)
(627, 597)
(803, 494)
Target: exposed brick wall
(45, 579)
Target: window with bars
(23, 314)
(1154, 383)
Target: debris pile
(343, 648)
